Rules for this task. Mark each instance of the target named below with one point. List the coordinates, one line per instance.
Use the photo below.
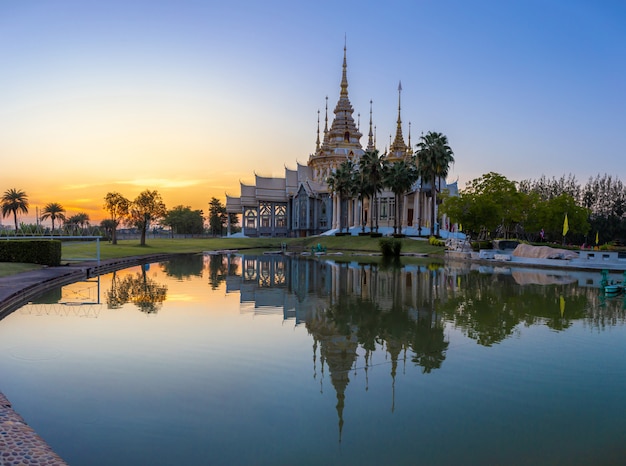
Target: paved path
(19, 443)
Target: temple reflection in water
(352, 310)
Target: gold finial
(326, 119)
(370, 141)
(410, 151)
(317, 142)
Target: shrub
(436, 242)
(45, 252)
(390, 247)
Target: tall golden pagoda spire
(370, 136)
(342, 140)
(398, 149)
(317, 142)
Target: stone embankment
(19, 443)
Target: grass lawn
(347, 244)
(155, 246)
(11, 268)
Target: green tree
(147, 208)
(108, 226)
(54, 211)
(217, 216)
(399, 177)
(371, 168)
(488, 204)
(14, 201)
(78, 221)
(341, 183)
(434, 157)
(117, 206)
(550, 215)
(183, 220)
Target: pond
(275, 360)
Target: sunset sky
(190, 97)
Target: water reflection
(365, 335)
(143, 291)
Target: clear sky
(190, 97)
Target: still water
(272, 360)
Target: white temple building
(301, 203)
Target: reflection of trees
(184, 266)
(220, 266)
(488, 307)
(146, 293)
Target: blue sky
(189, 97)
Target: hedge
(39, 251)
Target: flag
(565, 226)
(596, 238)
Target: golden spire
(398, 150)
(370, 138)
(409, 148)
(399, 106)
(344, 74)
(317, 142)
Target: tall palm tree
(80, 220)
(14, 200)
(53, 211)
(341, 182)
(399, 178)
(434, 157)
(371, 166)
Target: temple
(301, 203)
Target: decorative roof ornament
(398, 149)
(370, 137)
(317, 142)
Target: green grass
(11, 268)
(172, 246)
(350, 245)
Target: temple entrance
(409, 218)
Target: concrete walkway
(19, 443)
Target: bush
(390, 247)
(436, 242)
(45, 252)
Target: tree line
(146, 210)
(535, 209)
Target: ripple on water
(35, 353)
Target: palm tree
(79, 220)
(341, 182)
(14, 200)
(434, 157)
(371, 166)
(399, 178)
(53, 211)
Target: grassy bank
(173, 246)
(10, 268)
(346, 244)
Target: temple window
(281, 216)
(265, 211)
(250, 218)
